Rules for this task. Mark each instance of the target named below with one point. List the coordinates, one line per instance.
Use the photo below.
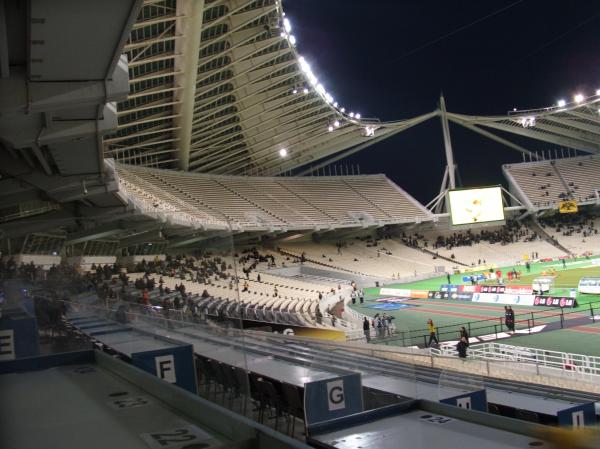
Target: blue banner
(332, 398)
(476, 400)
(579, 416)
(18, 336)
(174, 365)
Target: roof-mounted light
(287, 25)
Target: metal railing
(494, 328)
(568, 365)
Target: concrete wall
(38, 260)
(85, 262)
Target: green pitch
(485, 319)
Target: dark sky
(369, 55)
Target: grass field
(485, 319)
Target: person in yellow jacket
(432, 332)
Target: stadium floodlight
(305, 91)
(336, 123)
(597, 91)
(330, 128)
(282, 34)
(351, 114)
(283, 152)
(343, 110)
(578, 98)
(369, 131)
(320, 89)
(335, 104)
(295, 91)
(292, 39)
(561, 103)
(305, 66)
(357, 115)
(287, 25)
(328, 97)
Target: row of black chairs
(271, 398)
(524, 415)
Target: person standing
(367, 329)
(432, 332)
(507, 318)
(385, 322)
(448, 278)
(377, 325)
(511, 317)
(361, 296)
(463, 343)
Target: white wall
(44, 261)
(129, 260)
(85, 262)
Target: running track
(500, 312)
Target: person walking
(367, 329)
(463, 343)
(432, 332)
(507, 318)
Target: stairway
(535, 225)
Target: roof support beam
(99, 232)
(189, 21)
(494, 137)
(398, 128)
(447, 143)
(544, 137)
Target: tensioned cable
(453, 32)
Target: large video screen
(473, 206)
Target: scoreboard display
(475, 206)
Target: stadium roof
(218, 86)
(215, 86)
(571, 125)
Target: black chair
(215, 374)
(231, 383)
(527, 415)
(269, 399)
(243, 386)
(294, 406)
(493, 408)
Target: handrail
(527, 321)
(568, 363)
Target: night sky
(374, 57)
